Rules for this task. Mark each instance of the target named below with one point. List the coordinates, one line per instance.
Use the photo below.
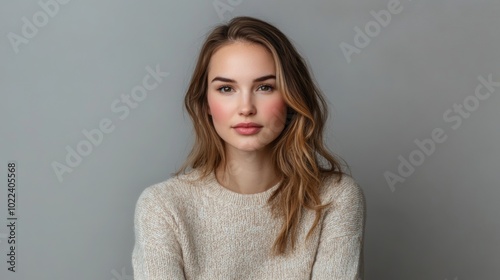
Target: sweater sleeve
(340, 249)
(157, 252)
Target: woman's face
(241, 89)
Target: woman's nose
(247, 106)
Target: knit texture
(202, 230)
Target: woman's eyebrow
(227, 80)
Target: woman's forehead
(241, 60)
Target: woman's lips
(247, 130)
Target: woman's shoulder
(345, 188)
(347, 213)
(170, 191)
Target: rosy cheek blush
(218, 110)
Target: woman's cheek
(276, 111)
(218, 110)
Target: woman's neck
(247, 173)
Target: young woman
(257, 202)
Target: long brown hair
(295, 152)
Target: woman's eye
(266, 87)
(224, 89)
(227, 89)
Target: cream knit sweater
(203, 230)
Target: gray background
(440, 223)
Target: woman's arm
(340, 251)
(157, 252)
